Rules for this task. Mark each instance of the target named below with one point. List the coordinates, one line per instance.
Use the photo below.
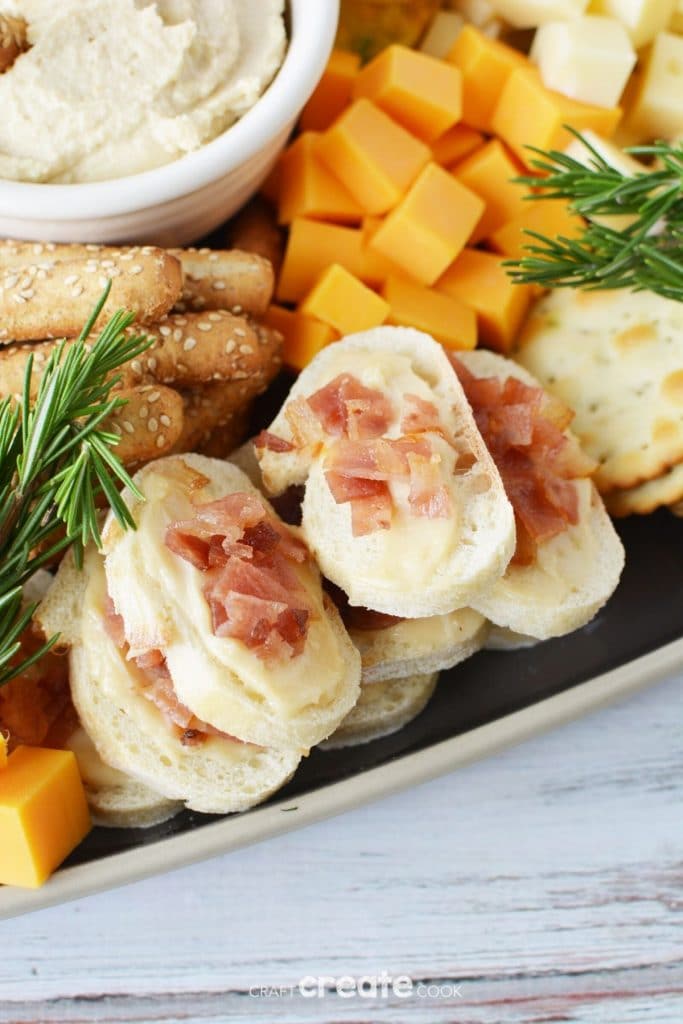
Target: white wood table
(544, 884)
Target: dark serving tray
(490, 701)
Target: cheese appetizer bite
(130, 710)
(403, 507)
(382, 709)
(216, 588)
(568, 558)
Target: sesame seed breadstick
(188, 350)
(255, 229)
(12, 40)
(149, 425)
(205, 409)
(195, 348)
(53, 299)
(225, 279)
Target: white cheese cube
(642, 19)
(615, 157)
(531, 13)
(656, 106)
(475, 12)
(589, 58)
(444, 30)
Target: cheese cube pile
(399, 193)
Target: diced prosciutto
(252, 587)
(420, 416)
(355, 617)
(272, 442)
(346, 408)
(523, 428)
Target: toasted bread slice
(382, 709)
(419, 566)
(419, 646)
(573, 574)
(116, 800)
(217, 776)
(288, 705)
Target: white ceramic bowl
(184, 200)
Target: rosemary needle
(647, 254)
(56, 460)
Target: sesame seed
(10, 281)
(154, 397)
(71, 279)
(181, 321)
(127, 256)
(108, 263)
(77, 291)
(189, 344)
(230, 347)
(128, 426)
(215, 317)
(91, 247)
(204, 250)
(28, 293)
(166, 331)
(136, 269)
(165, 420)
(204, 326)
(246, 350)
(151, 364)
(136, 366)
(218, 286)
(144, 412)
(213, 256)
(178, 334)
(19, 299)
(152, 424)
(240, 332)
(161, 441)
(237, 310)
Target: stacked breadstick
(209, 357)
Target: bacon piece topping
(523, 428)
(249, 558)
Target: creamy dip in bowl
(188, 191)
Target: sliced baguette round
(116, 800)
(573, 575)
(419, 646)
(418, 567)
(382, 709)
(290, 705)
(218, 776)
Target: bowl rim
(312, 31)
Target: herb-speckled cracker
(617, 359)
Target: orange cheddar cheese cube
(308, 189)
(373, 156)
(448, 320)
(549, 217)
(345, 303)
(528, 114)
(420, 92)
(455, 144)
(485, 65)
(489, 173)
(303, 336)
(428, 229)
(43, 814)
(332, 93)
(480, 280)
(311, 247)
(376, 267)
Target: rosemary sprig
(646, 254)
(55, 461)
